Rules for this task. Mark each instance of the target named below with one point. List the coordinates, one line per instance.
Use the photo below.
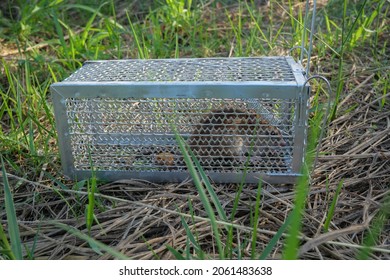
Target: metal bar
(178, 177)
(63, 135)
(311, 36)
(177, 90)
(304, 30)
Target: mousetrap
(238, 115)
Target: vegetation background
(340, 210)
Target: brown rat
(228, 136)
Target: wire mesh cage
(239, 116)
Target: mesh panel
(224, 134)
(186, 70)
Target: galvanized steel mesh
(225, 135)
(274, 69)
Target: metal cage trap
(121, 118)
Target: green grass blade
(91, 185)
(192, 239)
(150, 247)
(333, 206)
(87, 29)
(272, 243)
(201, 190)
(31, 139)
(92, 10)
(31, 251)
(201, 254)
(255, 220)
(141, 53)
(349, 35)
(379, 222)
(60, 35)
(344, 40)
(209, 188)
(291, 248)
(175, 253)
(255, 22)
(58, 192)
(5, 248)
(14, 235)
(237, 199)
